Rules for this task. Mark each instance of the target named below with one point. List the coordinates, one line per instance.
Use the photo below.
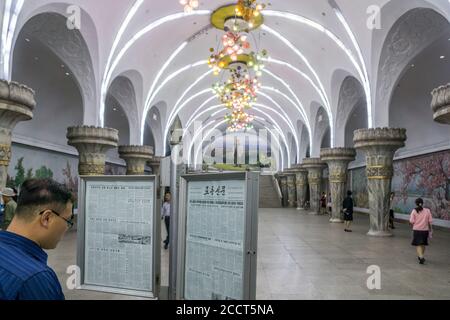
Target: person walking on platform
(391, 211)
(165, 214)
(323, 203)
(348, 211)
(421, 221)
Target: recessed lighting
(67, 74)
(62, 66)
(27, 40)
(413, 65)
(115, 109)
(36, 58)
(442, 57)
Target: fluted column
(301, 185)
(92, 144)
(136, 157)
(291, 190)
(16, 104)
(441, 104)
(315, 173)
(337, 160)
(379, 146)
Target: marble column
(337, 160)
(379, 146)
(136, 157)
(441, 104)
(291, 190)
(315, 173)
(301, 175)
(92, 144)
(16, 104)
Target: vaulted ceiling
(313, 47)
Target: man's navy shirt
(24, 274)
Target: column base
(380, 234)
(312, 213)
(300, 209)
(335, 220)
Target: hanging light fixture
(239, 67)
(189, 5)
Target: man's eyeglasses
(69, 222)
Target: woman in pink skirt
(421, 221)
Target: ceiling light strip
(303, 58)
(105, 83)
(139, 35)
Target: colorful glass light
(249, 10)
(189, 5)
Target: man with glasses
(44, 213)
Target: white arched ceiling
(351, 95)
(321, 126)
(48, 24)
(116, 118)
(414, 31)
(305, 143)
(122, 90)
(153, 131)
(110, 27)
(410, 103)
(58, 95)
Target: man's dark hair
(36, 193)
(349, 193)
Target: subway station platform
(303, 257)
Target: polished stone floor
(302, 256)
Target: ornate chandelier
(239, 120)
(249, 10)
(240, 67)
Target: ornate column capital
(136, 157)
(338, 160)
(440, 104)
(380, 144)
(338, 154)
(16, 104)
(315, 167)
(92, 144)
(382, 138)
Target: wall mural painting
(427, 177)
(359, 188)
